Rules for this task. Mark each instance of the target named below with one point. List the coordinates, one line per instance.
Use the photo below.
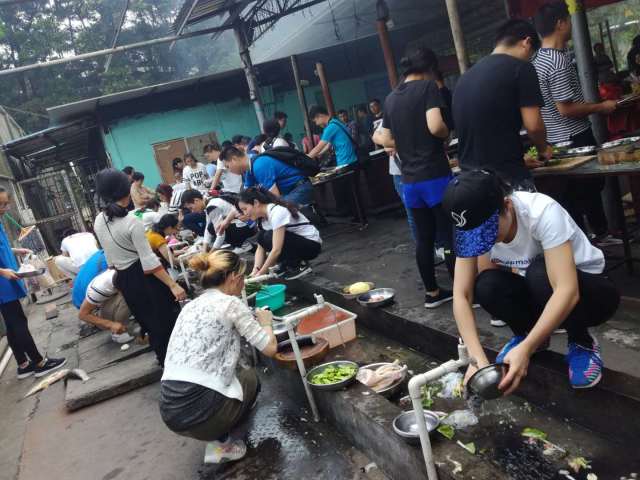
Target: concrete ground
(124, 437)
(384, 254)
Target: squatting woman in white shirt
(286, 236)
(523, 258)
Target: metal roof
(67, 143)
(203, 10)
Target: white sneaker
(246, 247)
(122, 337)
(496, 322)
(222, 452)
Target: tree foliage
(32, 32)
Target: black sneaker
(26, 371)
(443, 296)
(293, 272)
(49, 365)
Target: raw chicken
(382, 377)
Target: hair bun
(199, 262)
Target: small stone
(370, 467)
(125, 347)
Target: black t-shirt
(421, 154)
(486, 111)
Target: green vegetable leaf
(469, 447)
(534, 433)
(447, 431)
(333, 374)
(578, 463)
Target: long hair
(265, 197)
(166, 221)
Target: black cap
(472, 197)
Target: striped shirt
(101, 288)
(559, 83)
(176, 197)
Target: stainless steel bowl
(619, 142)
(563, 145)
(378, 297)
(582, 150)
(391, 389)
(333, 386)
(405, 425)
(32, 273)
(484, 383)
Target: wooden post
(249, 72)
(387, 52)
(302, 100)
(326, 92)
(458, 37)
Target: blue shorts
(427, 193)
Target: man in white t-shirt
(521, 256)
(76, 249)
(231, 182)
(194, 174)
(105, 307)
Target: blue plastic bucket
(271, 296)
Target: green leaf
(447, 431)
(469, 447)
(534, 433)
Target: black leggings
(295, 249)
(432, 222)
(519, 300)
(18, 335)
(152, 303)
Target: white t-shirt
(542, 225)
(278, 216)
(277, 142)
(231, 182)
(79, 247)
(101, 288)
(218, 210)
(149, 218)
(176, 197)
(394, 169)
(195, 176)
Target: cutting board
(565, 164)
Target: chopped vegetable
(533, 152)
(333, 374)
(534, 433)
(469, 447)
(447, 431)
(592, 476)
(578, 463)
(429, 392)
(252, 288)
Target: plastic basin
(271, 296)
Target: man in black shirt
(492, 102)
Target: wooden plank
(565, 164)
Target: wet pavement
(384, 254)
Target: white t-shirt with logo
(195, 176)
(542, 225)
(231, 182)
(101, 288)
(79, 246)
(278, 216)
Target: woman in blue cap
(523, 258)
(24, 349)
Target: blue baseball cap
(473, 200)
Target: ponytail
(216, 266)
(113, 210)
(265, 197)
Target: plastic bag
(451, 385)
(461, 419)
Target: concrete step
(365, 418)
(546, 385)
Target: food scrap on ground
(578, 463)
(447, 431)
(469, 447)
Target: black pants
(18, 334)
(519, 301)
(234, 235)
(431, 223)
(152, 303)
(295, 249)
(583, 196)
(348, 190)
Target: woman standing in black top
(414, 126)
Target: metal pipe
(302, 100)
(239, 31)
(5, 360)
(415, 386)
(458, 37)
(387, 52)
(614, 56)
(326, 91)
(123, 15)
(109, 51)
(184, 22)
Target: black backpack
(294, 158)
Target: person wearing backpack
(286, 238)
(283, 171)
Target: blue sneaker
(585, 365)
(514, 342)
